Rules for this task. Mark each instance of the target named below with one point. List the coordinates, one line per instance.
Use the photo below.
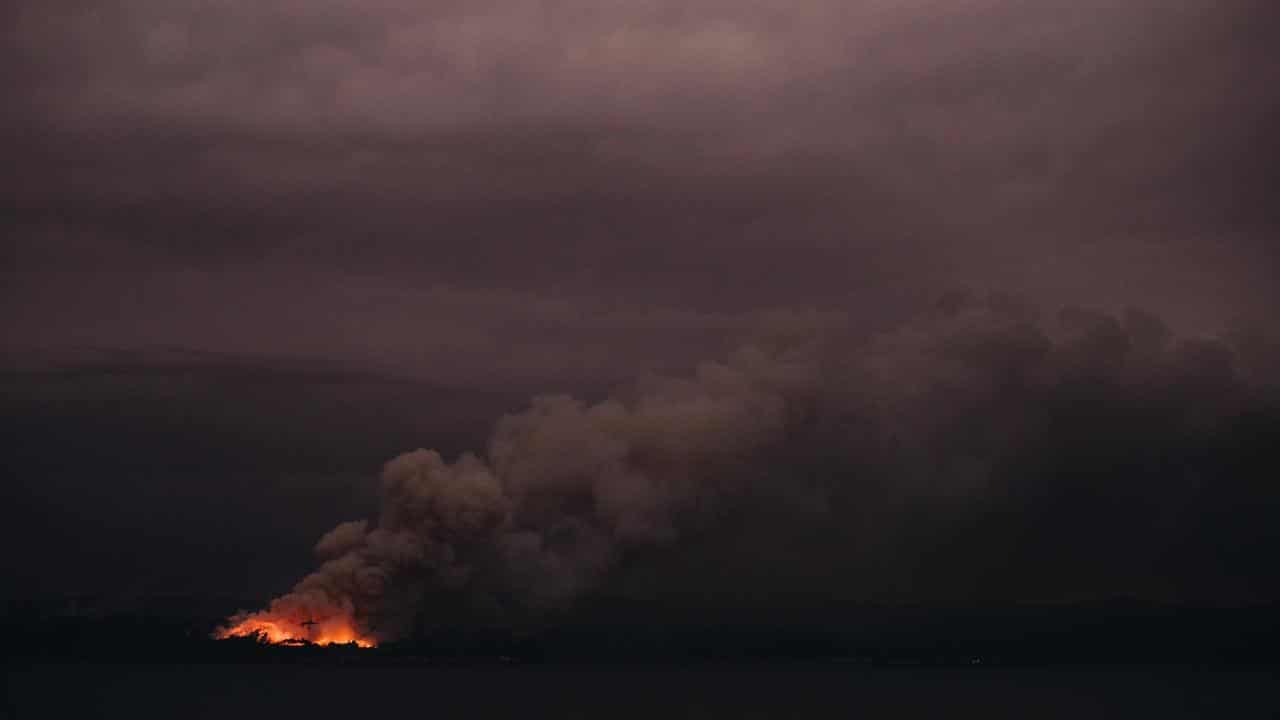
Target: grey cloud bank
(721, 156)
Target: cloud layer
(711, 155)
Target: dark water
(87, 691)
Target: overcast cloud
(705, 157)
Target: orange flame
(277, 630)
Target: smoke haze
(978, 454)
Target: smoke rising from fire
(984, 451)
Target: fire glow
(279, 631)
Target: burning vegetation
(275, 629)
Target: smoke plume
(983, 452)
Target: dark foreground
(1118, 660)
(753, 690)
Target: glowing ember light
(279, 630)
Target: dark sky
(254, 248)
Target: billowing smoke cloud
(983, 452)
